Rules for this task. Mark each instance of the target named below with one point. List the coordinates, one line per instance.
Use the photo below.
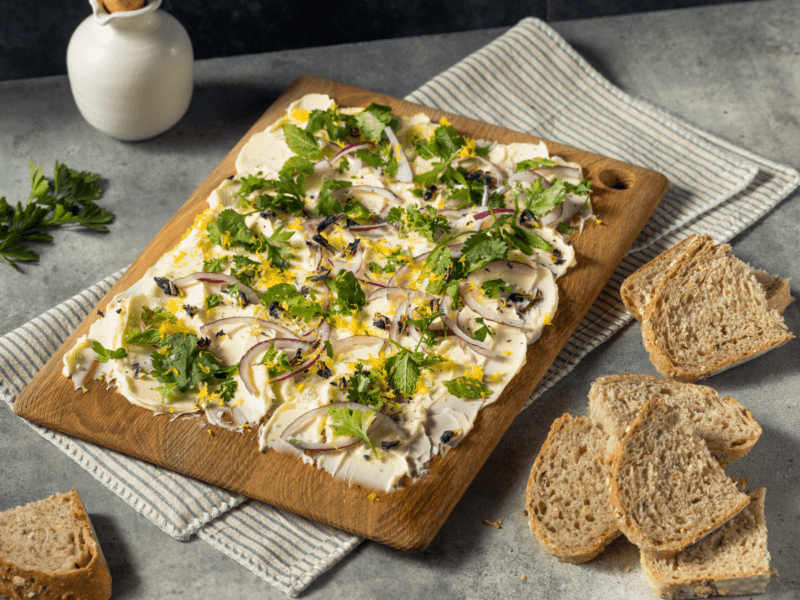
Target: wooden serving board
(624, 197)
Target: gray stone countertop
(732, 69)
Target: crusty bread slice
(707, 314)
(567, 495)
(636, 289)
(48, 551)
(732, 561)
(666, 489)
(728, 428)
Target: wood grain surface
(623, 195)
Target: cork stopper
(113, 6)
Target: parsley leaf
(493, 287)
(293, 301)
(352, 423)
(68, 199)
(104, 355)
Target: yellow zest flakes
(547, 319)
(468, 149)
(209, 432)
(475, 372)
(179, 259)
(168, 328)
(492, 524)
(237, 402)
(300, 114)
(164, 350)
(174, 305)
(497, 377)
(203, 368)
(203, 395)
(226, 239)
(443, 121)
(373, 497)
(300, 386)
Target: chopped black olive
(429, 192)
(327, 222)
(119, 310)
(350, 223)
(323, 275)
(265, 214)
(323, 370)
(275, 310)
(473, 175)
(167, 286)
(446, 436)
(321, 241)
(366, 457)
(528, 217)
(341, 383)
(303, 290)
(381, 321)
(434, 304)
(100, 312)
(220, 333)
(136, 368)
(352, 247)
(243, 301)
(390, 445)
(204, 342)
(297, 358)
(354, 132)
(559, 258)
(190, 310)
(519, 297)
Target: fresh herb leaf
(293, 301)
(301, 142)
(350, 296)
(68, 199)
(467, 387)
(373, 120)
(104, 355)
(493, 287)
(534, 163)
(352, 423)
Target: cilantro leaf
(293, 301)
(493, 287)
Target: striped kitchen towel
(530, 80)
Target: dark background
(34, 34)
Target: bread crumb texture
(48, 550)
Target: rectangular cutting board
(623, 195)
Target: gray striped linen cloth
(530, 80)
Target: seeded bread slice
(48, 551)
(732, 561)
(636, 289)
(728, 428)
(707, 314)
(666, 489)
(567, 495)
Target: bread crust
(656, 416)
(539, 482)
(696, 581)
(91, 582)
(659, 326)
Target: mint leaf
(301, 142)
(104, 355)
(534, 163)
(467, 387)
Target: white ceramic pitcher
(131, 71)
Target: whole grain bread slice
(49, 551)
(666, 490)
(637, 288)
(728, 428)
(567, 494)
(731, 561)
(707, 314)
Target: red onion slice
(348, 344)
(264, 323)
(252, 296)
(404, 172)
(351, 149)
(380, 420)
(249, 357)
(370, 189)
(475, 345)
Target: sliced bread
(567, 495)
(707, 314)
(728, 428)
(731, 561)
(666, 489)
(48, 551)
(636, 289)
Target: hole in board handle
(617, 180)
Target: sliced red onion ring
(471, 296)
(249, 357)
(373, 189)
(354, 341)
(404, 172)
(527, 176)
(252, 296)
(266, 324)
(380, 420)
(351, 149)
(488, 213)
(452, 323)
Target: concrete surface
(732, 69)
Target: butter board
(623, 196)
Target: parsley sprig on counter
(68, 199)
